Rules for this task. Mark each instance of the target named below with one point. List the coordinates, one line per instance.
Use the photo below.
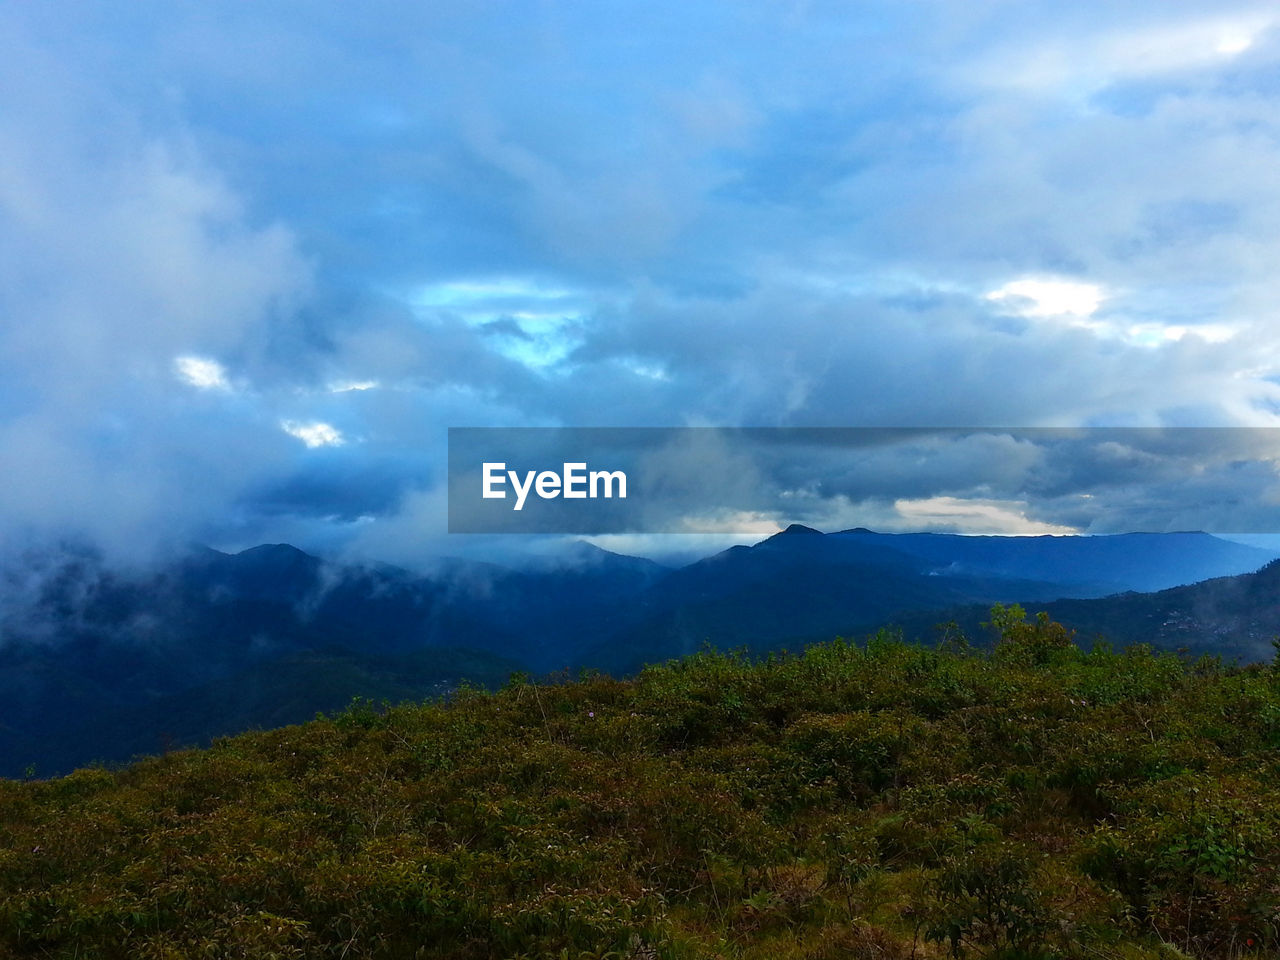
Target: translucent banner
(592, 480)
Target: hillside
(106, 665)
(880, 800)
(801, 586)
(1236, 618)
(1079, 566)
(103, 665)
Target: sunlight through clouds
(1049, 298)
(529, 321)
(976, 517)
(1075, 304)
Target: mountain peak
(268, 563)
(797, 528)
(272, 550)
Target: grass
(873, 800)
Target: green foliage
(985, 894)
(1035, 643)
(875, 800)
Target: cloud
(121, 250)
(1049, 298)
(992, 517)
(383, 222)
(202, 373)
(1162, 44)
(532, 323)
(313, 434)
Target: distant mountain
(98, 664)
(1236, 618)
(1233, 617)
(793, 588)
(1084, 566)
(802, 585)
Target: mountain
(1083, 566)
(1235, 618)
(1232, 617)
(796, 587)
(99, 664)
(801, 585)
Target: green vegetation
(872, 800)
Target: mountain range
(103, 665)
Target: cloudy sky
(257, 257)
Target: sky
(257, 257)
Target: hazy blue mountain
(102, 664)
(1232, 617)
(801, 585)
(1085, 566)
(1236, 618)
(796, 587)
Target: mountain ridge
(113, 648)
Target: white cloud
(973, 516)
(349, 386)
(678, 241)
(1080, 62)
(1180, 45)
(1232, 43)
(314, 433)
(127, 262)
(727, 521)
(202, 372)
(1075, 304)
(650, 371)
(1049, 298)
(1155, 334)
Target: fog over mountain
(98, 664)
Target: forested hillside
(100, 665)
(873, 799)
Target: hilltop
(873, 800)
